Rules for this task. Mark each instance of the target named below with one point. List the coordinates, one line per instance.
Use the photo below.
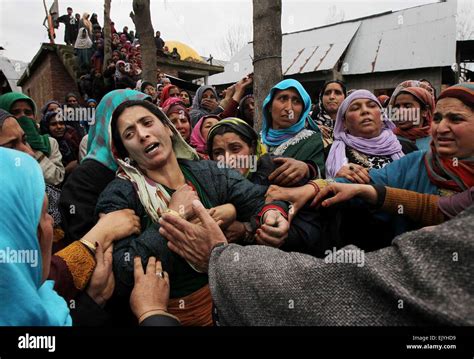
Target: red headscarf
(452, 173)
(165, 94)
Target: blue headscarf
(24, 300)
(272, 137)
(98, 143)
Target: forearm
(230, 109)
(367, 193)
(98, 234)
(420, 207)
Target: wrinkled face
(150, 90)
(22, 108)
(45, 238)
(228, 147)
(209, 95)
(71, 101)
(57, 128)
(12, 136)
(146, 139)
(333, 97)
(183, 95)
(249, 108)
(180, 121)
(206, 126)
(173, 92)
(453, 129)
(363, 119)
(409, 114)
(286, 108)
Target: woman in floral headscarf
(412, 105)
(159, 175)
(324, 116)
(363, 138)
(97, 169)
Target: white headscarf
(83, 42)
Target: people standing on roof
(70, 23)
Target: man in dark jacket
(70, 22)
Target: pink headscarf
(197, 141)
(171, 101)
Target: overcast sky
(200, 24)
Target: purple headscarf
(385, 144)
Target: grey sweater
(425, 277)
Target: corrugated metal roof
(12, 70)
(423, 36)
(303, 52)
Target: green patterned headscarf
(154, 198)
(99, 141)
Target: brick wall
(172, 71)
(49, 81)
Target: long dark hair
(116, 139)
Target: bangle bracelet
(315, 187)
(155, 311)
(88, 244)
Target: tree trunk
(107, 34)
(267, 41)
(142, 19)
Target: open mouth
(152, 148)
(367, 120)
(444, 139)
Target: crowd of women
(178, 212)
